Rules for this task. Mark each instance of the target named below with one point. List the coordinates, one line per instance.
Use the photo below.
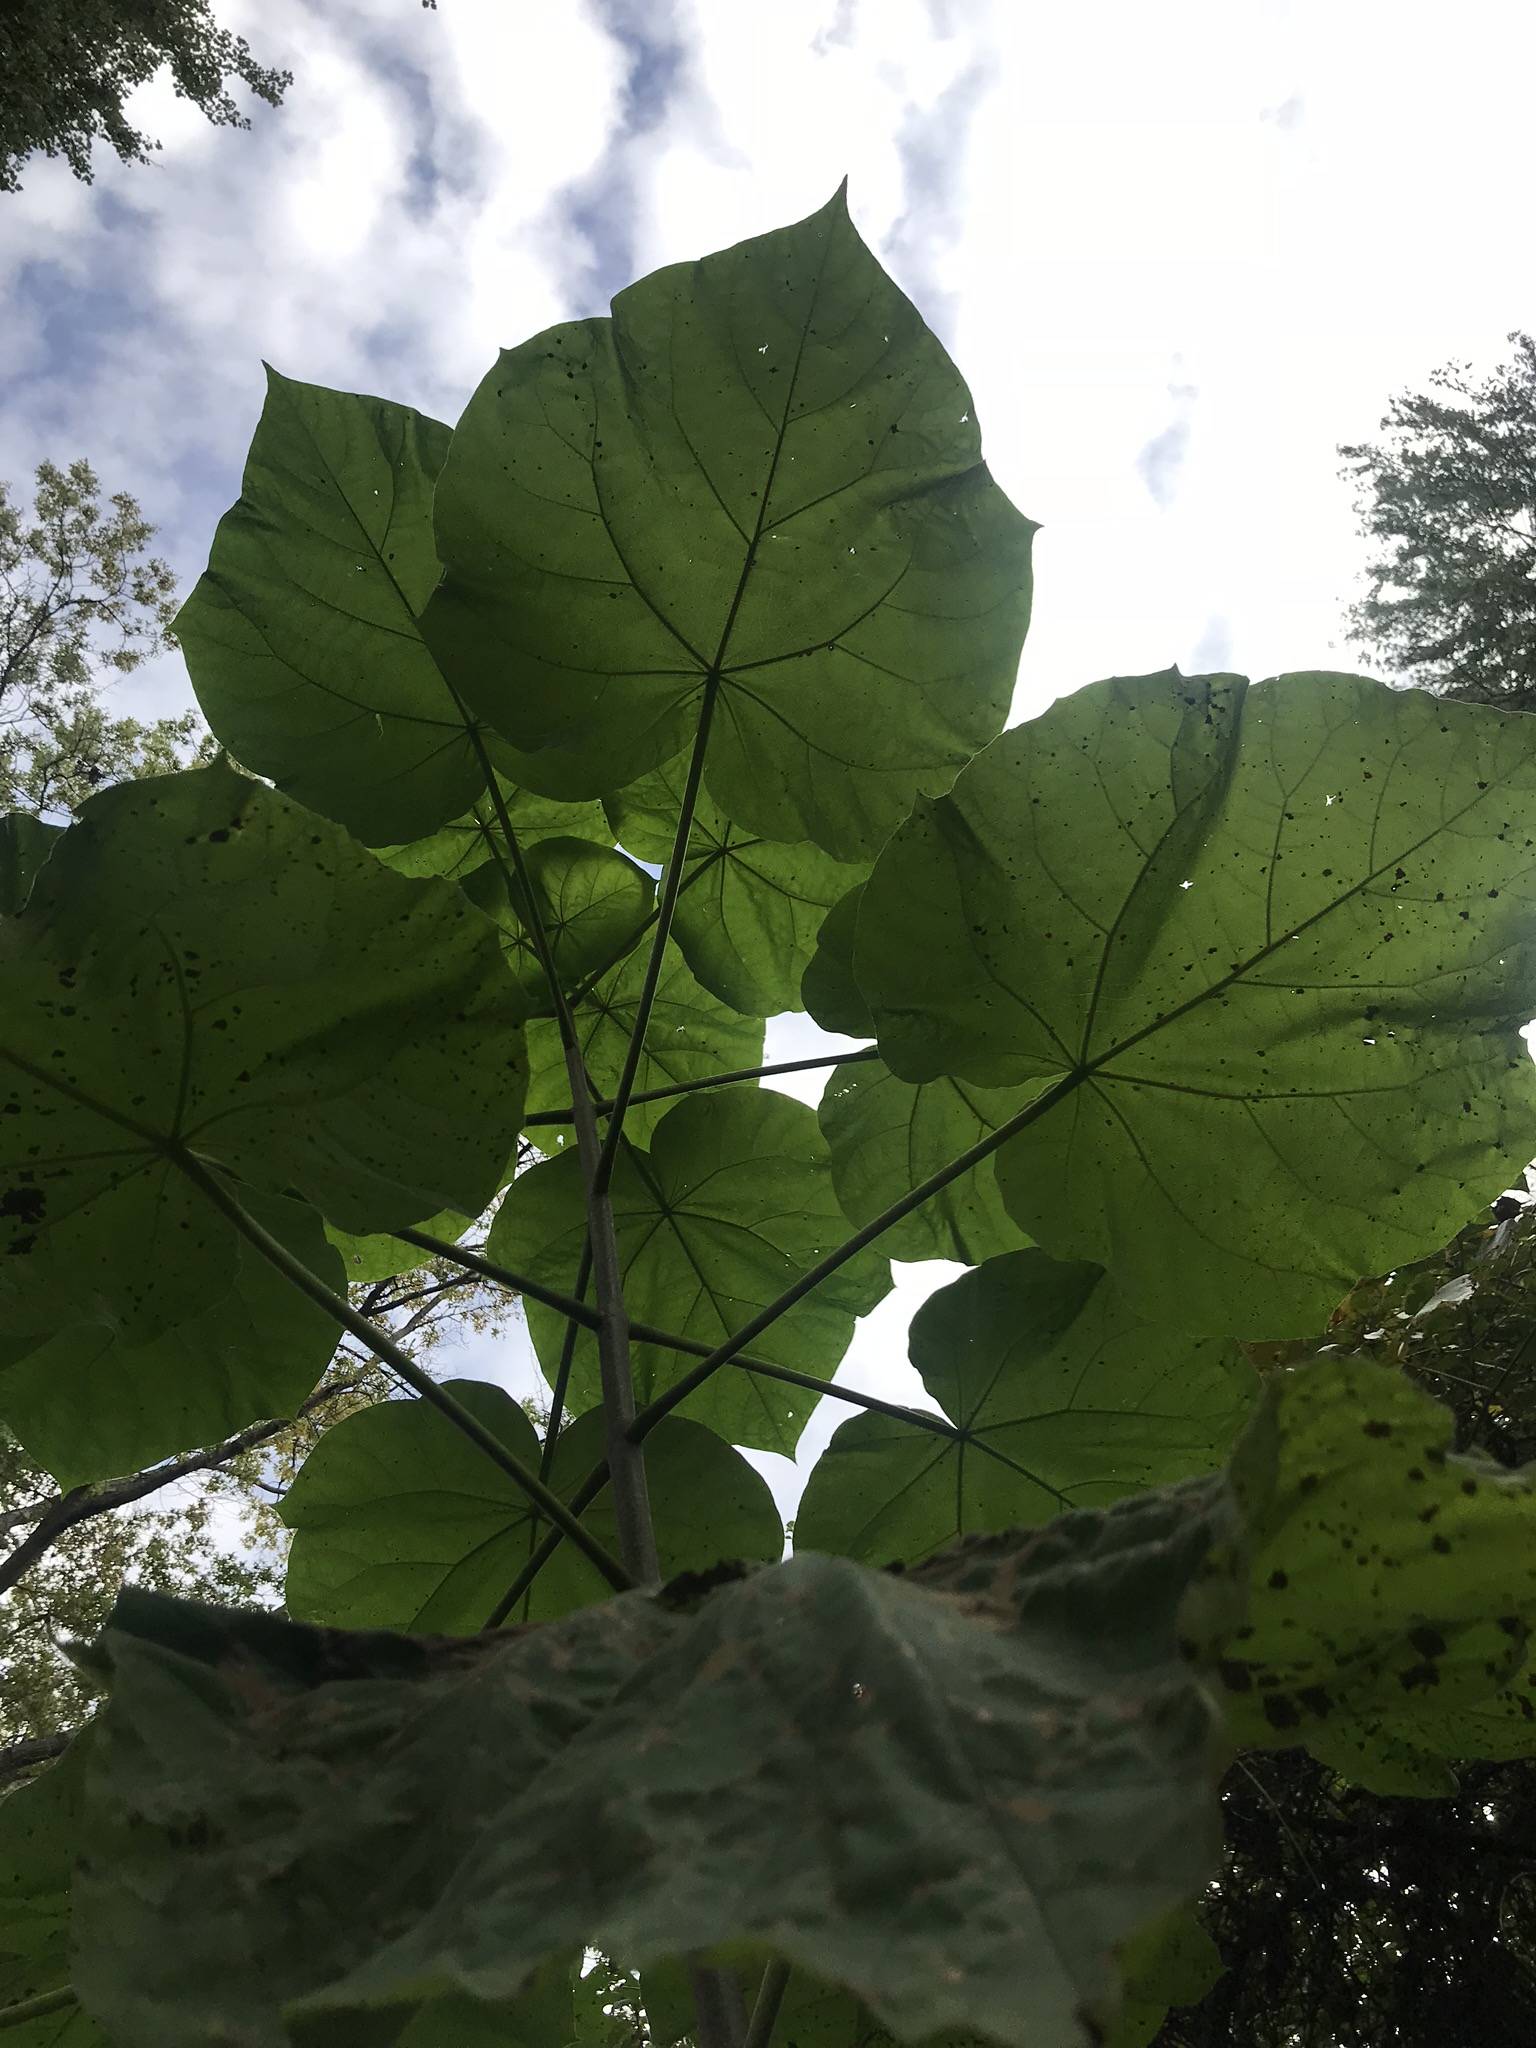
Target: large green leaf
(749, 908)
(592, 902)
(1269, 951)
(301, 635)
(89, 1405)
(887, 1136)
(1069, 1399)
(955, 1799)
(762, 471)
(203, 964)
(1389, 1578)
(39, 1833)
(400, 1522)
(731, 1205)
(689, 1037)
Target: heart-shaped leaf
(731, 1205)
(761, 479)
(401, 1522)
(749, 908)
(202, 966)
(1067, 1398)
(1265, 955)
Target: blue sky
(1180, 252)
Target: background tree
(82, 601)
(66, 67)
(1448, 500)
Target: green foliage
(581, 1780)
(1445, 500)
(301, 637)
(1262, 958)
(757, 488)
(68, 66)
(81, 601)
(730, 1205)
(1191, 1004)
(1064, 1398)
(749, 908)
(400, 1522)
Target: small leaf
(763, 475)
(458, 849)
(592, 902)
(955, 1797)
(731, 1205)
(1264, 956)
(1069, 1400)
(690, 1037)
(301, 636)
(887, 1136)
(401, 1522)
(749, 908)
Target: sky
(1180, 253)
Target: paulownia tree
(1188, 1003)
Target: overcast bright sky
(1180, 252)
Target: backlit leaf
(763, 470)
(301, 636)
(827, 987)
(1389, 1577)
(887, 1136)
(592, 902)
(1069, 1399)
(749, 908)
(1264, 954)
(730, 1206)
(401, 1522)
(202, 963)
(89, 1405)
(691, 1036)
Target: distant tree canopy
(1448, 497)
(66, 67)
(81, 601)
